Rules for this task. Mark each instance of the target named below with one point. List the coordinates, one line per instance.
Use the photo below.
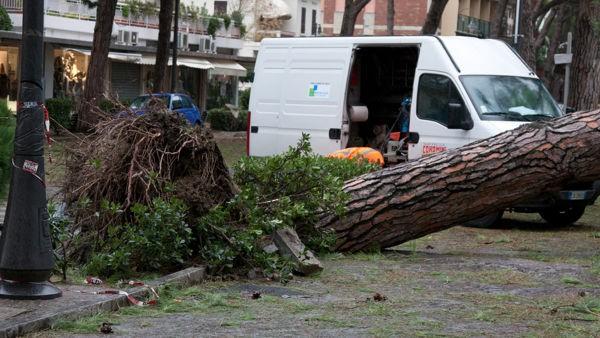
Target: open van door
(298, 89)
(440, 119)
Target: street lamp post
(175, 48)
(26, 259)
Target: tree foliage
(5, 21)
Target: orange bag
(369, 154)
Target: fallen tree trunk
(409, 201)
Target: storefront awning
(123, 57)
(229, 68)
(150, 60)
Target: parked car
(348, 91)
(179, 103)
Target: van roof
(472, 56)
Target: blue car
(179, 103)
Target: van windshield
(510, 98)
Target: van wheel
(488, 221)
(563, 216)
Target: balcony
(468, 25)
(75, 9)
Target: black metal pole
(175, 48)
(26, 259)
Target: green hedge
(7, 131)
(61, 113)
(223, 119)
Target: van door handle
(335, 134)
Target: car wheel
(488, 221)
(563, 216)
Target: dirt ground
(518, 280)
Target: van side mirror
(457, 118)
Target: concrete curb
(183, 278)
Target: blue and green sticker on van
(319, 89)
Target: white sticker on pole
(319, 89)
(30, 166)
(562, 59)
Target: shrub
(213, 26)
(226, 20)
(242, 120)
(238, 18)
(7, 132)
(157, 240)
(61, 113)
(221, 119)
(245, 98)
(288, 190)
(5, 22)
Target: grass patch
(86, 325)
(570, 280)
(232, 149)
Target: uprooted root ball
(131, 160)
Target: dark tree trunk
(585, 82)
(498, 23)
(401, 203)
(390, 17)
(351, 10)
(434, 17)
(165, 20)
(95, 82)
(526, 45)
(551, 78)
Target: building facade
(372, 20)
(205, 59)
(460, 17)
(473, 17)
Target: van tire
(563, 216)
(488, 221)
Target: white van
(355, 91)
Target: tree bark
(439, 191)
(551, 78)
(351, 10)
(498, 20)
(390, 17)
(165, 20)
(434, 17)
(585, 83)
(95, 82)
(526, 45)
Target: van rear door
(298, 89)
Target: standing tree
(351, 10)
(585, 84)
(94, 83)
(390, 17)
(434, 17)
(165, 20)
(498, 23)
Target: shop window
(70, 71)
(9, 81)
